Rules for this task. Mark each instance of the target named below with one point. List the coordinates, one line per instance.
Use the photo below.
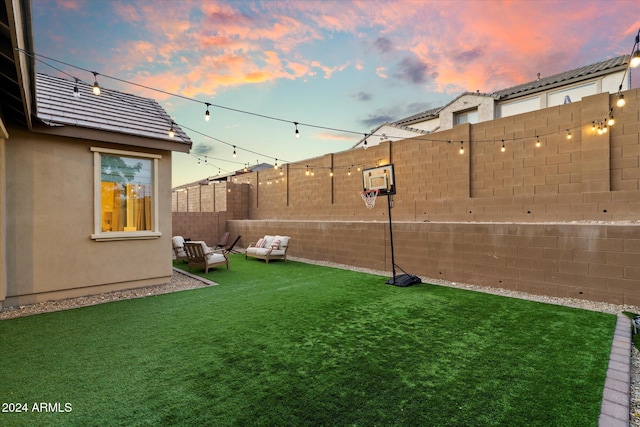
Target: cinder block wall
(597, 262)
(559, 219)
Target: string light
(198, 161)
(96, 86)
(234, 152)
(276, 165)
(331, 172)
(349, 172)
(635, 58)
(205, 160)
(207, 115)
(635, 61)
(76, 91)
(593, 126)
(307, 171)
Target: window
(469, 116)
(125, 195)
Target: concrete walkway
(615, 400)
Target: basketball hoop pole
(405, 279)
(393, 259)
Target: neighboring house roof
(111, 111)
(561, 79)
(571, 76)
(225, 177)
(374, 132)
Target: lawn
(292, 344)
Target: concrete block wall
(207, 226)
(597, 262)
(560, 219)
(590, 177)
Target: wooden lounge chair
(200, 255)
(222, 242)
(178, 248)
(230, 248)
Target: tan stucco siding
(3, 263)
(50, 211)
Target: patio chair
(222, 242)
(200, 255)
(230, 249)
(178, 248)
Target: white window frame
(100, 236)
(465, 113)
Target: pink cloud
(466, 45)
(70, 4)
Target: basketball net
(369, 197)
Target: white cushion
(284, 241)
(267, 241)
(215, 257)
(178, 241)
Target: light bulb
(172, 131)
(207, 115)
(96, 86)
(297, 131)
(611, 121)
(635, 60)
(568, 134)
(503, 149)
(234, 152)
(621, 101)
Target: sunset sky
(344, 65)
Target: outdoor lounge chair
(200, 255)
(178, 248)
(230, 249)
(222, 242)
(268, 248)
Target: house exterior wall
(3, 207)
(50, 214)
(484, 104)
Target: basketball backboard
(379, 178)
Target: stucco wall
(50, 204)
(3, 205)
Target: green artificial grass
(291, 344)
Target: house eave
(111, 137)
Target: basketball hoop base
(403, 280)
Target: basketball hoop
(369, 197)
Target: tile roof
(571, 76)
(110, 111)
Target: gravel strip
(181, 282)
